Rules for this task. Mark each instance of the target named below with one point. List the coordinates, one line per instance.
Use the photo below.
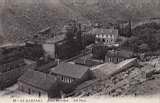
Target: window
(71, 80)
(100, 36)
(29, 91)
(103, 40)
(111, 59)
(108, 59)
(67, 80)
(22, 88)
(107, 41)
(62, 78)
(109, 36)
(39, 94)
(117, 60)
(104, 36)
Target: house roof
(46, 67)
(38, 79)
(88, 62)
(126, 62)
(110, 68)
(12, 45)
(70, 70)
(103, 31)
(103, 70)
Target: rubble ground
(134, 82)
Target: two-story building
(105, 36)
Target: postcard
(79, 51)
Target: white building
(49, 45)
(106, 36)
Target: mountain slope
(111, 10)
(20, 19)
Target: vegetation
(146, 38)
(21, 19)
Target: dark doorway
(29, 91)
(39, 94)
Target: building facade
(105, 36)
(69, 73)
(116, 56)
(39, 84)
(49, 46)
(10, 72)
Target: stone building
(69, 73)
(38, 84)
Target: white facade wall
(49, 49)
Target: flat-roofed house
(38, 84)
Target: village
(80, 61)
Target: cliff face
(20, 19)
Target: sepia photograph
(79, 51)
